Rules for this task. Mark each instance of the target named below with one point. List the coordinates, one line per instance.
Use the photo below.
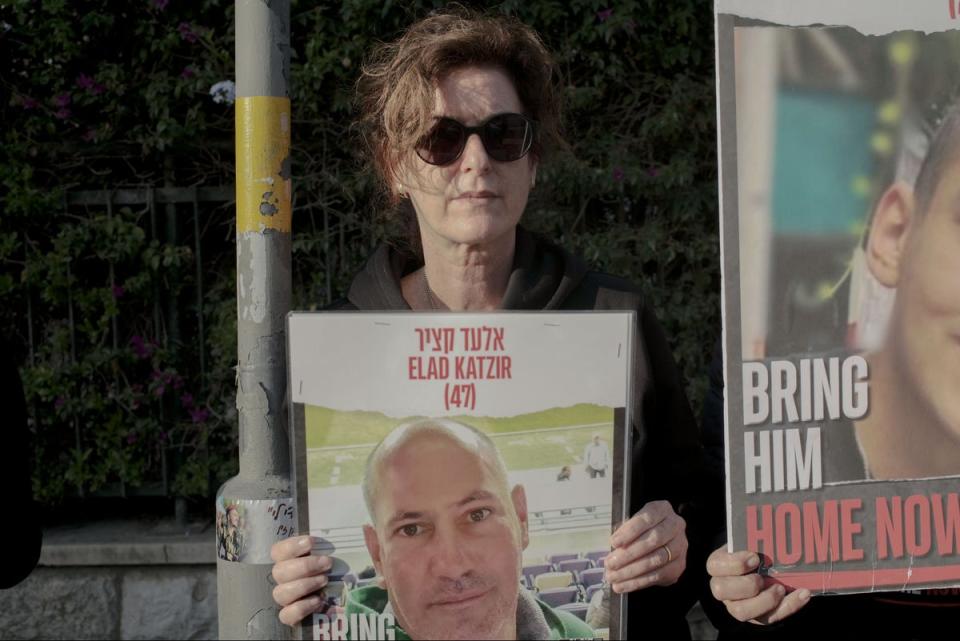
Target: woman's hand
(747, 595)
(649, 549)
(299, 575)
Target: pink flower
(117, 289)
(131, 438)
(618, 174)
(28, 103)
(187, 73)
(199, 415)
(186, 399)
(97, 88)
(187, 32)
(63, 113)
(604, 15)
(140, 348)
(160, 5)
(89, 136)
(85, 82)
(159, 390)
(59, 403)
(653, 172)
(62, 99)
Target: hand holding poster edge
(649, 549)
(748, 595)
(299, 575)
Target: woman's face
(474, 200)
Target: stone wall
(120, 602)
(117, 580)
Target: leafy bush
(106, 98)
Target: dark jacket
(668, 459)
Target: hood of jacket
(543, 276)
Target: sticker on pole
(247, 528)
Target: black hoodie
(668, 460)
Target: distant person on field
(596, 456)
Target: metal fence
(197, 218)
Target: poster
(465, 471)
(839, 138)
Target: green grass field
(340, 442)
(330, 428)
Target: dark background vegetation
(102, 306)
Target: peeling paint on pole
(252, 282)
(245, 602)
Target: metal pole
(254, 507)
(198, 261)
(172, 342)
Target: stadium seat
(556, 558)
(597, 556)
(591, 576)
(532, 571)
(552, 580)
(574, 565)
(593, 589)
(578, 609)
(559, 596)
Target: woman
(458, 113)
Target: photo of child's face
(924, 333)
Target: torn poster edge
(869, 17)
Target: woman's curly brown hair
(396, 90)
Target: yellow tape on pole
(263, 164)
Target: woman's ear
(889, 230)
(397, 176)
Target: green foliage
(104, 95)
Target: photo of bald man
(447, 536)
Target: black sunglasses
(506, 137)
